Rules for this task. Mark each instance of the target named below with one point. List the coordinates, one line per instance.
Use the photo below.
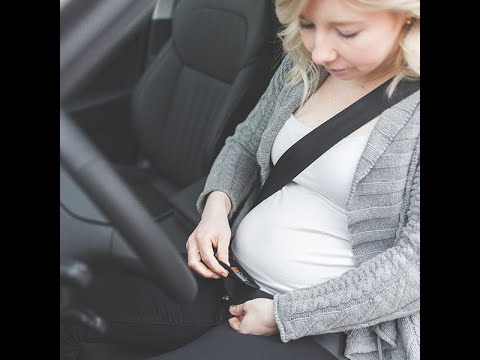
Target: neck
(373, 80)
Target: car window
(63, 3)
(163, 9)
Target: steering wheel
(108, 191)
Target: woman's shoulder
(278, 80)
(285, 65)
(412, 101)
(407, 108)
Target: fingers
(237, 310)
(222, 252)
(195, 261)
(202, 260)
(235, 323)
(206, 252)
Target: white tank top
(298, 237)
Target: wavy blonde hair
(407, 61)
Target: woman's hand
(212, 232)
(254, 317)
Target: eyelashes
(310, 26)
(347, 36)
(306, 26)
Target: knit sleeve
(383, 288)
(235, 168)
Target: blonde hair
(407, 62)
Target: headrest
(219, 37)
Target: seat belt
(313, 145)
(239, 285)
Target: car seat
(203, 82)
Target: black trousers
(138, 313)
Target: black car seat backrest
(197, 84)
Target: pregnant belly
(295, 246)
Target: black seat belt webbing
(309, 148)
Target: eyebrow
(336, 23)
(345, 22)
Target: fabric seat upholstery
(204, 81)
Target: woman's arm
(235, 168)
(217, 201)
(383, 288)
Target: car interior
(158, 107)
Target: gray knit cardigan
(377, 304)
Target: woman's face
(349, 42)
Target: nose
(323, 52)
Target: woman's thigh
(137, 312)
(222, 342)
